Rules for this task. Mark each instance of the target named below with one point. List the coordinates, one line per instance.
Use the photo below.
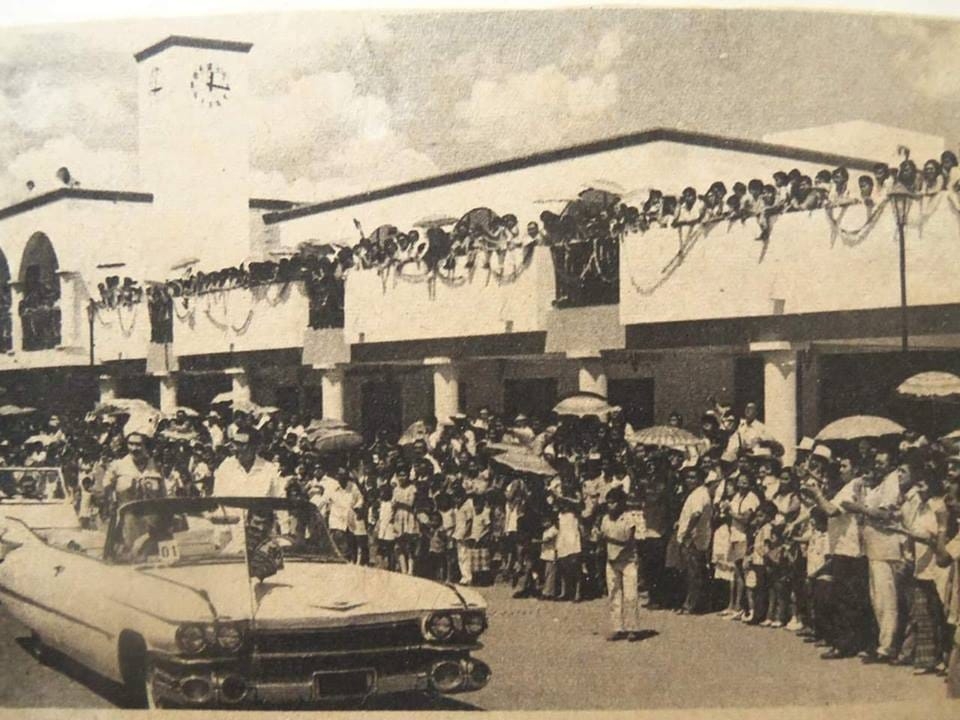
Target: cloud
(323, 133)
(95, 168)
(925, 52)
(537, 109)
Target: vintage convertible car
(233, 601)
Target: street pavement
(553, 656)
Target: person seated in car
(154, 528)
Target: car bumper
(227, 687)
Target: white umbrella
(860, 426)
(930, 385)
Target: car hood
(318, 594)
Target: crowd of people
(853, 547)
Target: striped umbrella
(860, 426)
(665, 436)
(930, 385)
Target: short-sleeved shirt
(697, 502)
(843, 529)
(568, 540)
(130, 482)
(878, 543)
(624, 547)
(262, 480)
(741, 504)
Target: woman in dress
(743, 505)
(405, 524)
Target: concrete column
(240, 384)
(446, 388)
(108, 388)
(168, 393)
(592, 376)
(332, 391)
(780, 398)
(810, 393)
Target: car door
(58, 594)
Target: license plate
(346, 683)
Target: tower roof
(192, 42)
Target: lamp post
(902, 199)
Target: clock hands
(211, 85)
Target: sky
(348, 102)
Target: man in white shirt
(342, 502)
(883, 548)
(620, 531)
(748, 434)
(694, 533)
(247, 474)
(849, 627)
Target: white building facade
(808, 323)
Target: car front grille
(341, 639)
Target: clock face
(210, 85)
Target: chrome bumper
(195, 687)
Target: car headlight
(230, 637)
(191, 639)
(474, 623)
(439, 626)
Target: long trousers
(850, 618)
(695, 567)
(885, 577)
(622, 589)
(653, 555)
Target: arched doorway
(6, 301)
(40, 287)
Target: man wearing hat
(694, 532)
(246, 474)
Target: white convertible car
(232, 602)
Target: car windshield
(264, 534)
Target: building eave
(70, 193)
(620, 142)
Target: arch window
(40, 303)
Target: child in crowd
(384, 530)
(548, 555)
(756, 576)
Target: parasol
(859, 426)
(124, 406)
(598, 198)
(665, 436)
(325, 424)
(432, 221)
(251, 408)
(334, 439)
(10, 410)
(184, 263)
(955, 435)
(176, 435)
(523, 461)
(224, 398)
(930, 385)
(416, 431)
(584, 404)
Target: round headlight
(229, 637)
(474, 623)
(440, 626)
(191, 639)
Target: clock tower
(194, 138)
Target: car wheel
(138, 673)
